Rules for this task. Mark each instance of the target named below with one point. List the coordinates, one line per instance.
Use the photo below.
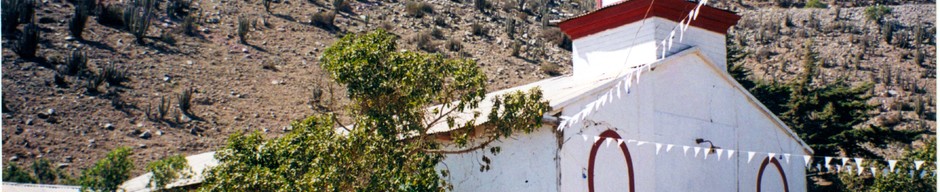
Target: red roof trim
(617, 15)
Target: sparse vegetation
(189, 25)
(92, 82)
(26, 45)
(877, 13)
(79, 18)
(111, 15)
(162, 109)
(557, 38)
(511, 28)
(75, 64)
(184, 101)
(267, 5)
(481, 5)
(242, 29)
(323, 20)
(16, 12)
(515, 47)
(418, 9)
(815, 4)
(178, 8)
(477, 29)
(424, 42)
(112, 74)
(550, 69)
(342, 6)
(887, 31)
(137, 18)
(453, 45)
(108, 173)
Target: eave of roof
(627, 12)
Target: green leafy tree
(168, 170)
(13, 173)
(108, 173)
(815, 4)
(395, 99)
(906, 182)
(43, 171)
(877, 13)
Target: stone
(29, 121)
(193, 131)
(109, 126)
(145, 135)
(166, 78)
(159, 133)
(189, 62)
(62, 165)
(142, 146)
(14, 158)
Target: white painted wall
(526, 163)
(636, 43)
(677, 103)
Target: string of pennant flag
(829, 163)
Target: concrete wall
(526, 163)
(677, 103)
(636, 43)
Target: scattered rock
(14, 158)
(159, 133)
(18, 130)
(68, 159)
(189, 62)
(166, 78)
(145, 135)
(29, 121)
(212, 19)
(62, 165)
(142, 146)
(193, 131)
(109, 126)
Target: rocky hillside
(261, 85)
(898, 56)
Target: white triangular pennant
(706, 152)
(640, 143)
(697, 149)
(619, 142)
(658, 146)
(806, 160)
(874, 171)
(786, 156)
(584, 137)
(607, 141)
(596, 138)
(891, 164)
(860, 170)
(631, 141)
(828, 159)
(730, 153)
(917, 164)
(750, 155)
(858, 163)
(771, 155)
(685, 150)
(720, 151)
(844, 160)
(669, 147)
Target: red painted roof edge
(627, 12)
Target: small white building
(635, 120)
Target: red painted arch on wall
(760, 173)
(626, 155)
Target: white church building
(632, 118)
(649, 107)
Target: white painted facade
(684, 97)
(616, 49)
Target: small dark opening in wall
(526, 181)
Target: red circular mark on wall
(760, 173)
(626, 155)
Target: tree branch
(481, 146)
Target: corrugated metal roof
(558, 91)
(198, 163)
(30, 187)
